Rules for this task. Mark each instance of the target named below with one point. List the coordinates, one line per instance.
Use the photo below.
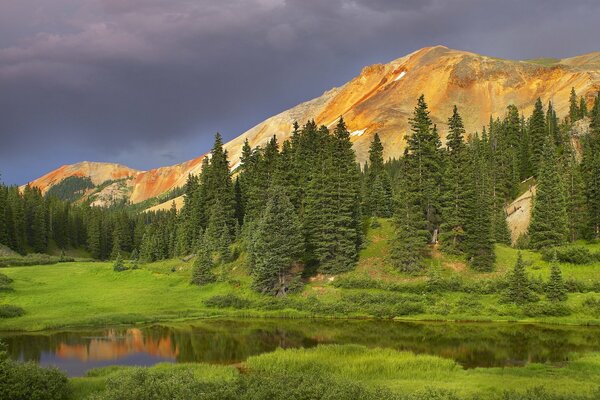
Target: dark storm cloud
(148, 82)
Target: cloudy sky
(148, 82)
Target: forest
(303, 206)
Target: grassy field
(348, 368)
(92, 294)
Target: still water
(231, 341)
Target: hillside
(381, 99)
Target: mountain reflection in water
(232, 341)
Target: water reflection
(227, 342)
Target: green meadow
(343, 372)
(76, 294)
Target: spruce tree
(332, 218)
(479, 242)
(538, 136)
(454, 193)
(408, 245)
(573, 106)
(549, 221)
(590, 170)
(118, 265)
(424, 166)
(277, 244)
(135, 259)
(519, 287)
(379, 188)
(202, 273)
(556, 289)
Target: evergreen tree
(549, 220)
(590, 170)
(3, 214)
(277, 244)
(332, 211)
(202, 273)
(217, 234)
(479, 242)
(454, 207)
(519, 287)
(408, 244)
(424, 166)
(379, 188)
(538, 136)
(118, 265)
(556, 289)
(135, 259)
(574, 111)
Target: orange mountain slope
(381, 99)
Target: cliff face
(381, 99)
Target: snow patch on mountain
(400, 76)
(358, 133)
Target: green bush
(5, 282)
(539, 393)
(176, 384)
(307, 386)
(592, 306)
(33, 259)
(571, 254)
(9, 311)
(28, 381)
(546, 309)
(227, 301)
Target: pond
(232, 341)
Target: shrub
(5, 282)
(308, 386)
(546, 309)
(10, 311)
(570, 254)
(28, 381)
(175, 384)
(32, 259)
(592, 306)
(227, 301)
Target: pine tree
(549, 219)
(202, 273)
(379, 188)
(118, 264)
(590, 170)
(408, 245)
(3, 214)
(135, 259)
(277, 244)
(556, 289)
(332, 218)
(217, 234)
(424, 166)
(519, 288)
(116, 250)
(479, 242)
(574, 111)
(454, 210)
(538, 136)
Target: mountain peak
(381, 99)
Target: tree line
(305, 204)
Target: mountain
(381, 99)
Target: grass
(92, 294)
(401, 373)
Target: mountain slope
(381, 99)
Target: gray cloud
(148, 82)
